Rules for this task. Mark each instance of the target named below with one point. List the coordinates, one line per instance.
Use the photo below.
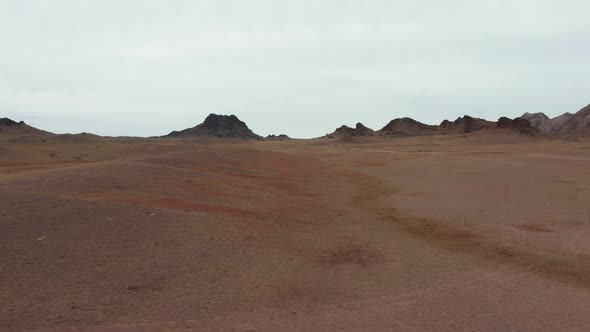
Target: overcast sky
(301, 67)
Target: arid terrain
(438, 233)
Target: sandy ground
(404, 234)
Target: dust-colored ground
(405, 234)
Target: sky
(301, 67)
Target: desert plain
(429, 233)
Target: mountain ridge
(565, 125)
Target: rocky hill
(518, 125)
(404, 127)
(218, 126)
(577, 124)
(281, 137)
(407, 127)
(565, 125)
(537, 120)
(11, 127)
(346, 131)
(464, 125)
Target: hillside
(11, 127)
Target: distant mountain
(11, 127)
(358, 130)
(218, 126)
(577, 124)
(6, 122)
(464, 125)
(567, 124)
(537, 120)
(556, 125)
(281, 137)
(407, 127)
(518, 125)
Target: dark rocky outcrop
(464, 125)
(358, 130)
(363, 130)
(519, 125)
(407, 127)
(218, 126)
(281, 137)
(6, 122)
(11, 127)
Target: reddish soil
(413, 234)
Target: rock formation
(218, 126)
(407, 127)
